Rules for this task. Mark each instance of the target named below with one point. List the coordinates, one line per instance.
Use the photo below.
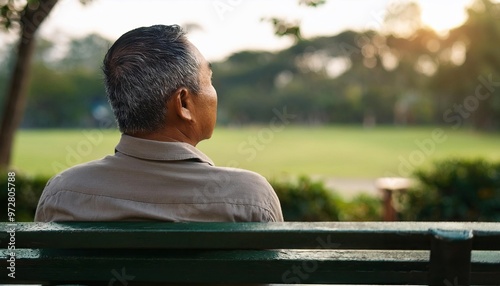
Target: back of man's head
(142, 69)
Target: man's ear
(181, 103)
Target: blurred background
(354, 110)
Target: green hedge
(307, 200)
(361, 208)
(28, 191)
(455, 190)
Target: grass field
(343, 152)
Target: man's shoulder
(252, 189)
(80, 172)
(83, 167)
(243, 177)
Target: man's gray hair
(142, 69)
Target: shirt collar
(158, 150)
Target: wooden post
(388, 186)
(389, 211)
(450, 257)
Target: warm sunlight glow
(443, 16)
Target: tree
(472, 81)
(85, 53)
(26, 18)
(286, 28)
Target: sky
(228, 26)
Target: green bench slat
(227, 266)
(232, 266)
(335, 235)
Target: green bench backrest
(128, 253)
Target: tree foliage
(68, 92)
(401, 76)
(355, 77)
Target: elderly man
(159, 86)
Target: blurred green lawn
(334, 151)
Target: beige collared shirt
(152, 180)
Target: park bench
(128, 253)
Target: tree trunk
(12, 116)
